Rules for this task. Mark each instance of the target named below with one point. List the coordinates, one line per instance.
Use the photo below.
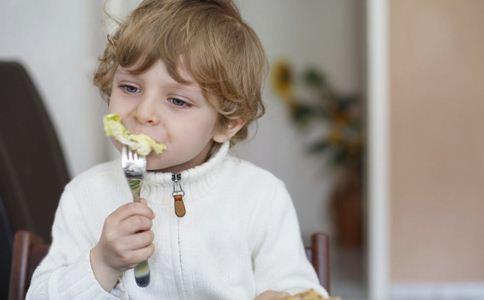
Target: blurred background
(374, 121)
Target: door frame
(377, 15)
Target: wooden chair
(32, 164)
(318, 255)
(29, 249)
(33, 172)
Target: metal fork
(134, 168)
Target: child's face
(176, 115)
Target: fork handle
(135, 187)
(141, 270)
(142, 274)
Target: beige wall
(437, 140)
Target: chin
(154, 164)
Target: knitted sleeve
(279, 258)
(65, 273)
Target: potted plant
(340, 144)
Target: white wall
(329, 34)
(60, 40)
(54, 40)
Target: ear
(224, 134)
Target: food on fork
(309, 295)
(141, 143)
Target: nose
(146, 114)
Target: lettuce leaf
(141, 143)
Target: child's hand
(271, 295)
(125, 241)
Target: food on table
(309, 295)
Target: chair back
(318, 255)
(28, 251)
(33, 172)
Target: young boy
(189, 74)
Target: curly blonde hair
(222, 53)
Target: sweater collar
(197, 177)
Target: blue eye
(129, 89)
(179, 102)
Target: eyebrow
(190, 85)
(175, 83)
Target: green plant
(339, 114)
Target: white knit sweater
(240, 235)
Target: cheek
(191, 134)
(119, 105)
(203, 125)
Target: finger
(142, 200)
(140, 255)
(130, 209)
(134, 224)
(137, 241)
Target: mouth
(142, 143)
(140, 132)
